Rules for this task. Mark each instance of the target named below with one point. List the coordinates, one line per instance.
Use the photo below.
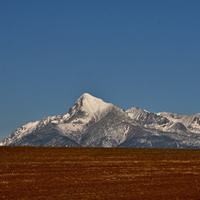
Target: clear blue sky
(129, 52)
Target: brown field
(30, 173)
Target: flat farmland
(30, 173)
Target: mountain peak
(92, 104)
(86, 95)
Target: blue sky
(129, 52)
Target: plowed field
(30, 173)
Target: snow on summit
(93, 105)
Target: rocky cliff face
(95, 123)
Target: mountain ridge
(93, 122)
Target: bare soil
(30, 173)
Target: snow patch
(92, 105)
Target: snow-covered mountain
(91, 122)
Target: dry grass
(30, 173)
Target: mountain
(91, 122)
